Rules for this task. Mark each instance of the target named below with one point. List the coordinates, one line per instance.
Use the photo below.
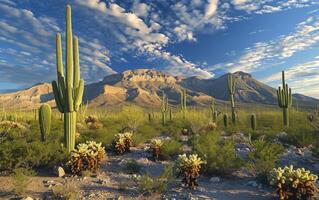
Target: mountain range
(145, 87)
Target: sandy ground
(113, 182)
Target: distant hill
(144, 87)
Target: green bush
(19, 153)
(21, 179)
(170, 148)
(132, 167)
(147, 185)
(68, 191)
(220, 156)
(301, 136)
(262, 159)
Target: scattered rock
(214, 179)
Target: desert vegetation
(174, 147)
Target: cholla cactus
(293, 183)
(156, 148)
(87, 156)
(123, 142)
(189, 167)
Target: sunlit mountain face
(203, 38)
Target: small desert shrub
(123, 142)
(132, 117)
(263, 158)
(293, 184)
(301, 136)
(156, 145)
(68, 191)
(19, 153)
(131, 166)
(220, 156)
(170, 148)
(189, 167)
(147, 185)
(4, 132)
(86, 156)
(197, 121)
(92, 122)
(21, 179)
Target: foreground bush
(123, 142)
(220, 156)
(262, 159)
(147, 185)
(189, 167)
(170, 148)
(293, 184)
(19, 153)
(21, 179)
(87, 156)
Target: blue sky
(204, 38)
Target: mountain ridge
(145, 86)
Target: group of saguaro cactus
(68, 90)
(45, 121)
(184, 102)
(164, 108)
(231, 83)
(284, 99)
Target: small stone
(300, 152)
(60, 172)
(214, 179)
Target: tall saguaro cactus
(45, 121)
(284, 99)
(164, 108)
(183, 102)
(68, 90)
(231, 83)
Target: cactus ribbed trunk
(253, 122)
(69, 130)
(183, 102)
(45, 121)
(285, 112)
(164, 118)
(231, 91)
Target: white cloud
(261, 54)
(270, 6)
(140, 9)
(302, 78)
(135, 34)
(211, 8)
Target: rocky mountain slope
(145, 86)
